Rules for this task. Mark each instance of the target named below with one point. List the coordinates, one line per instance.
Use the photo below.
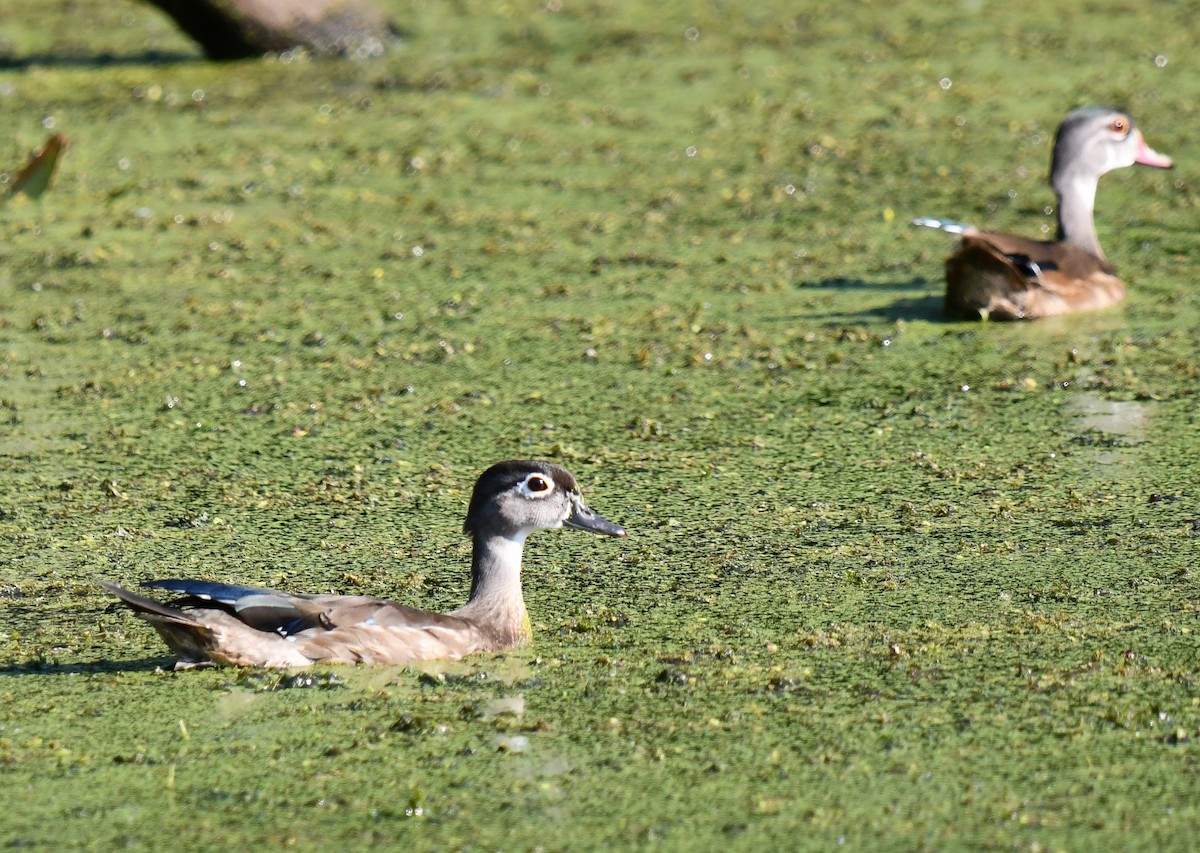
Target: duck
(224, 624)
(1000, 276)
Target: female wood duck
(244, 626)
(1005, 277)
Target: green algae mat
(892, 583)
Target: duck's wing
(1007, 277)
(1042, 258)
(210, 631)
(262, 609)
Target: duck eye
(1119, 125)
(537, 484)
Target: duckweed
(892, 582)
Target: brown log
(239, 29)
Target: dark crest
(504, 475)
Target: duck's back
(1005, 277)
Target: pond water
(892, 582)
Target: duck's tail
(191, 638)
(152, 611)
(215, 634)
(947, 225)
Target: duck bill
(582, 517)
(1147, 156)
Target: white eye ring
(537, 486)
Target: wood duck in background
(216, 623)
(1006, 277)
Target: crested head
(516, 497)
(1094, 140)
(1083, 115)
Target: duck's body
(1000, 276)
(244, 626)
(1006, 277)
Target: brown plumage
(1005, 277)
(217, 623)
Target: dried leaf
(34, 179)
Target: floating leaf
(34, 179)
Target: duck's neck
(1076, 211)
(496, 604)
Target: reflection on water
(1113, 428)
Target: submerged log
(239, 29)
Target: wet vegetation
(892, 581)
